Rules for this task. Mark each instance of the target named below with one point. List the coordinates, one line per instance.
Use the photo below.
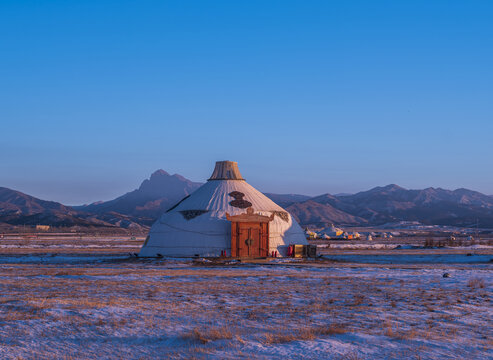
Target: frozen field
(78, 306)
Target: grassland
(109, 306)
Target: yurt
(332, 231)
(310, 234)
(226, 215)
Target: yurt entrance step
(249, 234)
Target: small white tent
(331, 231)
(310, 234)
(198, 224)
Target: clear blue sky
(308, 96)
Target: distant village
(335, 233)
(449, 233)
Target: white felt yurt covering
(198, 226)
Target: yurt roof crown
(226, 170)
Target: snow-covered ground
(376, 246)
(16, 244)
(110, 307)
(413, 259)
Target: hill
(436, 206)
(17, 208)
(377, 206)
(154, 196)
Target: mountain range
(141, 207)
(17, 208)
(392, 203)
(154, 196)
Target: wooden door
(249, 234)
(251, 240)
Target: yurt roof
(230, 196)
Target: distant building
(42, 227)
(331, 231)
(310, 234)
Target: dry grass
(358, 299)
(284, 335)
(205, 335)
(332, 329)
(476, 283)
(226, 307)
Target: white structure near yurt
(331, 231)
(355, 235)
(310, 234)
(226, 215)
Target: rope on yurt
(190, 231)
(272, 234)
